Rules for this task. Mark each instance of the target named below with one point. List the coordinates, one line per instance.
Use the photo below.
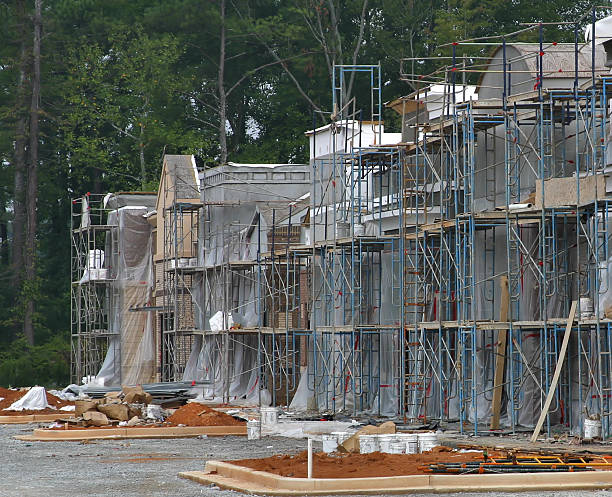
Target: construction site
(422, 275)
(453, 276)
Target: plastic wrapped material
(130, 358)
(218, 322)
(34, 400)
(206, 366)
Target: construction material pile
(14, 402)
(133, 407)
(196, 414)
(129, 407)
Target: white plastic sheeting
(233, 376)
(603, 31)
(355, 371)
(130, 358)
(34, 400)
(227, 365)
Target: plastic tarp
(227, 364)
(355, 371)
(130, 358)
(232, 376)
(34, 400)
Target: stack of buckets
(331, 442)
(268, 415)
(398, 443)
(395, 443)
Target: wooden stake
(500, 355)
(555, 380)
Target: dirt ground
(358, 465)
(125, 468)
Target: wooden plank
(555, 379)
(500, 355)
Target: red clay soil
(195, 414)
(356, 465)
(9, 396)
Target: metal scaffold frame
(177, 318)
(91, 291)
(551, 254)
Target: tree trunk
(32, 189)
(221, 89)
(19, 160)
(143, 172)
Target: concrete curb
(34, 418)
(44, 435)
(232, 477)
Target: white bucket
(253, 429)
(269, 415)
(368, 444)
(341, 436)
(397, 448)
(154, 411)
(385, 441)
(96, 259)
(586, 308)
(358, 229)
(330, 443)
(342, 229)
(427, 441)
(592, 428)
(411, 440)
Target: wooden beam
(555, 379)
(500, 355)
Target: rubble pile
(129, 407)
(132, 406)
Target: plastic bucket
(358, 229)
(342, 229)
(586, 308)
(385, 441)
(397, 448)
(269, 415)
(592, 428)
(368, 444)
(253, 429)
(427, 441)
(154, 411)
(341, 436)
(411, 440)
(330, 443)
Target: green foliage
(46, 365)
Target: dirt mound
(356, 465)
(9, 396)
(195, 414)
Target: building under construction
(456, 271)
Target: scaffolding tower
(92, 296)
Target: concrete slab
(45, 435)
(233, 477)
